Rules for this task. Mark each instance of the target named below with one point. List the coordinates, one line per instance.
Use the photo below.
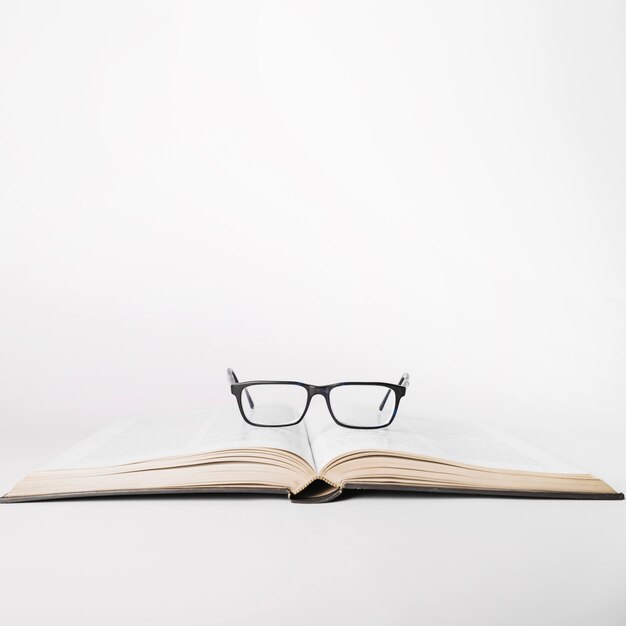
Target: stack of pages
(216, 451)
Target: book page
(144, 439)
(453, 441)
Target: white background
(322, 191)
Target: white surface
(370, 559)
(322, 191)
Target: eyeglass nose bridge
(316, 390)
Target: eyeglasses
(274, 403)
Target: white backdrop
(321, 191)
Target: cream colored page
(192, 433)
(454, 441)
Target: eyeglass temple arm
(404, 381)
(232, 377)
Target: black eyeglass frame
(239, 390)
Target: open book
(311, 462)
